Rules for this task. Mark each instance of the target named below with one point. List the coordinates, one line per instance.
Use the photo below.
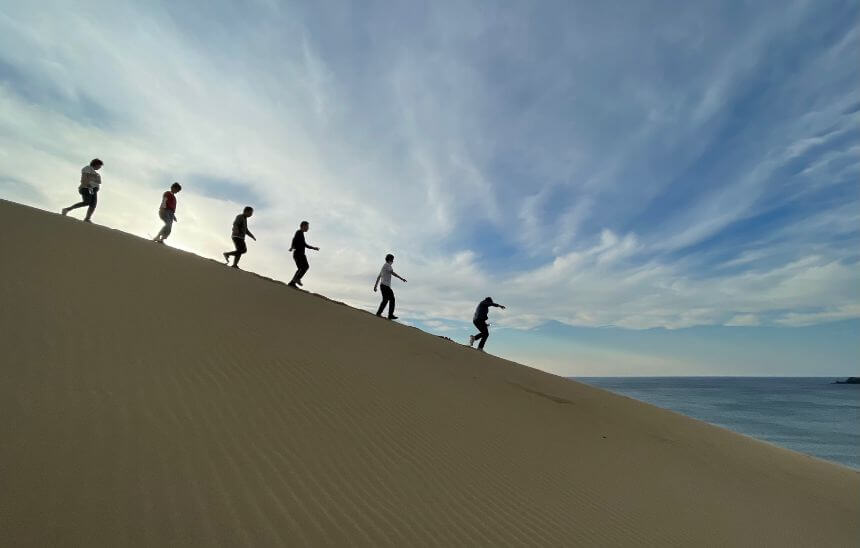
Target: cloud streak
(651, 166)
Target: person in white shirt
(384, 280)
(89, 188)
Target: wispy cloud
(660, 165)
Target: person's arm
(376, 285)
(309, 246)
(398, 276)
(248, 232)
(498, 305)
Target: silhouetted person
(167, 213)
(384, 281)
(240, 229)
(89, 189)
(298, 248)
(480, 321)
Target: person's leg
(161, 231)
(241, 248)
(297, 276)
(94, 199)
(82, 203)
(473, 338)
(167, 217)
(387, 298)
(293, 281)
(382, 289)
(391, 303)
(304, 266)
(85, 200)
(483, 333)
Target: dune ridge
(151, 398)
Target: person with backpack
(298, 248)
(88, 189)
(480, 321)
(167, 213)
(383, 281)
(240, 229)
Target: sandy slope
(150, 397)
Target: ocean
(806, 414)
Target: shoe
(87, 221)
(226, 258)
(471, 340)
(64, 211)
(299, 282)
(392, 317)
(292, 284)
(235, 266)
(480, 350)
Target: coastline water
(806, 414)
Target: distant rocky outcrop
(849, 380)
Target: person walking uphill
(167, 213)
(480, 321)
(89, 189)
(240, 229)
(298, 248)
(384, 280)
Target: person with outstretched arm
(88, 189)
(240, 229)
(383, 281)
(167, 213)
(298, 248)
(480, 321)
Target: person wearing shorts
(88, 189)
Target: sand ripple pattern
(153, 398)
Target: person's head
(488, 300)
(304, 226)
(389, 258)
(175, 187)
(248, 211)
(96, 164)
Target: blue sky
(635, 180)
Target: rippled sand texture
(151, 397)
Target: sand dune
(150, 397)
